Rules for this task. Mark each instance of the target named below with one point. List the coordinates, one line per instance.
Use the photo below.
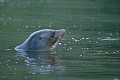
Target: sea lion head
(41, 40)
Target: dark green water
(89, 51)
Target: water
(89, 51)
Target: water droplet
(9, 18)
(2, 58)
(26, 26)
(72, 62)
(117, 32)
(115, 78)
(26, 77)
(98, 38)
(87, 38)
(15, 68)
(16, 62)
(99, 32)
(8, 49)
(64, 44)
(96, 42)
(33, 73)
(50, 26)
(39, 26)
(114, 52)
(117, 51)
(69, 42)
(110, 34)
(74, 26)
(1, 19)
(80, 55)
(87, 48)
(75, 39)
(9, 67)
(59, 43)
(8, 60)
(70, 48)
(83, 38)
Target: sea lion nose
(62, 32)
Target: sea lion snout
(56, 36)
(58, 33)
(62, 32)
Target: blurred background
(89, 51)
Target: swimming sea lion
(41, 40)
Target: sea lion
(41, 40)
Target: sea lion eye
(53, 34)
(40, 37)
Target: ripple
(8, 49)
(110, 39)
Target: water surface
(89, 51)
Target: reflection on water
(110, 39)
(43, 62)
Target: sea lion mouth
(60, 34)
